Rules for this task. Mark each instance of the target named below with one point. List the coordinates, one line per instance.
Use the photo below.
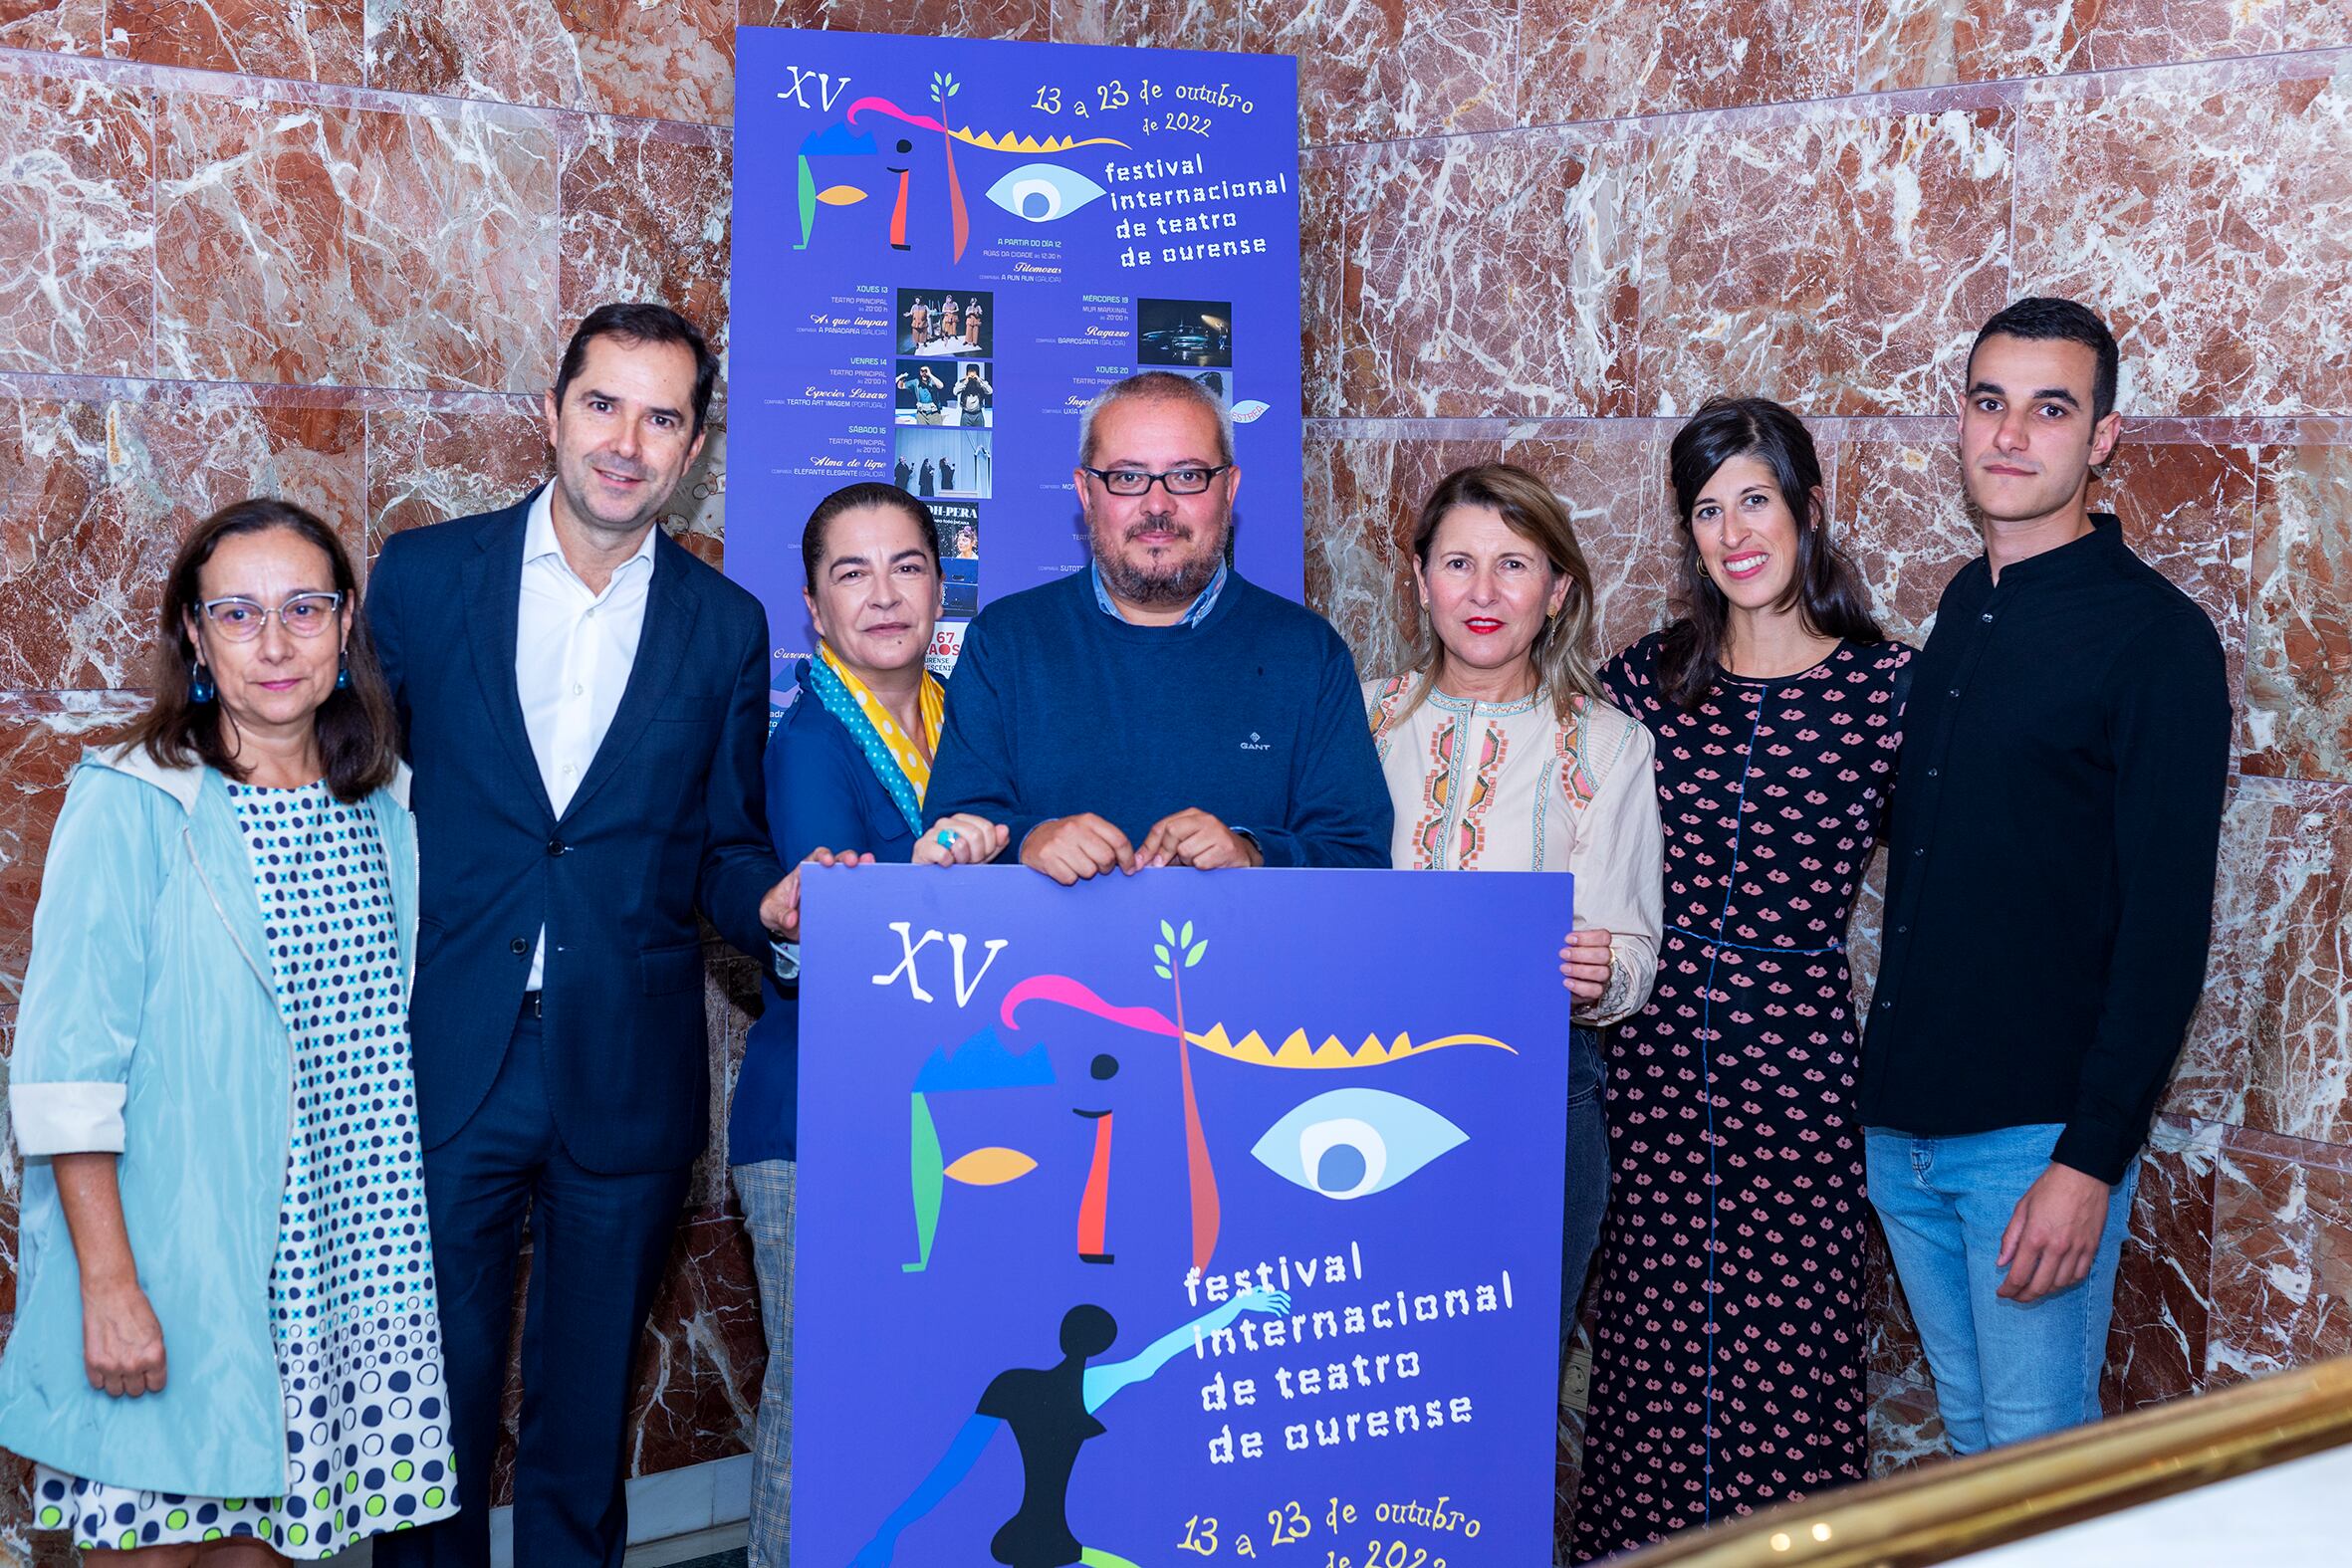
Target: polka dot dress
(1729, 1335)
(351, 1286)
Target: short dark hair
(1827, 590)
(2044, 319)
(358, 732)
(636, 322)
(866, 493)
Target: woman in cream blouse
(1501, 754)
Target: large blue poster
(943, 248)
(1072, 1291)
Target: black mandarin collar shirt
(2050, 856)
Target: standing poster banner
(1068, 1292)
(943, 248)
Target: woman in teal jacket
(226, 1328)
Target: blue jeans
(2005, 1370)
(1587, 1195)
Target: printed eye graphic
(1041, 192)
(1352, 1143)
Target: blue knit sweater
(1254, 716)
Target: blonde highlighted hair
(1562, 652)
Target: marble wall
(328, 248)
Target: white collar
(539, 533)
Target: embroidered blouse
(1505, 786)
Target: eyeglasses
(241, 620)
(1135, 482)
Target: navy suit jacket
(668, 817)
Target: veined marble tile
(2298, 681)
(427, 465)
(1347, 346)
(1615, 489)
(12, 1172)
(307, 40)
(1905, 1429)
(696, 516)
(1893, 1352)
(1897, 512)
(2157, 1339)
(68, 27)
(2211, 1076)
(77, 227)
(1350, 63)
(2186, 509)
(2205, 221)
(1148, 24)
(1376, 70)
(669, 61)
(1928, 42)
(354, 247)
(1324, 256)
(1582, 60)
(2277, 979)
(700, 1363)
(1840, 266)
(646, 216)
(1499, 276)
(1356, 577)
(1029, 19)
(731, 1000)
(98, 495)
(42, 735)
(2283, 1256)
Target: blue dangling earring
(201, 690)
(343, 674)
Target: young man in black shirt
(2049, 893)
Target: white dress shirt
(574, 650)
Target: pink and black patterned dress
(1728, 1353)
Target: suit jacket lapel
(494, 591)
(661, 648)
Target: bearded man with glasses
(1157, 710)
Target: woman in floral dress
(1727, 1355)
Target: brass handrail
(1942, 1511)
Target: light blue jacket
(150, 1026)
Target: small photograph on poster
(1219, 383)
(922, 393)
(943, 324)
(959, 562)
(973, 391)
(1184, 332)
(945, 461)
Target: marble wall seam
(22, 386)
(2316, 430)
(15, 62)
(2208, 76)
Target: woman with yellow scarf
(846, 767)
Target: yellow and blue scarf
(893, 754)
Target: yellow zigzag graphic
(1012, 143)
(1294, 1051)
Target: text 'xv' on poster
(944, 248)
(1178, 1218)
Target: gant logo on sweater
(1252, 744)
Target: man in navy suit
(585, 705)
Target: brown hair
(1826, 590)
(866, 493)
(1562, 650)
(358, 734)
